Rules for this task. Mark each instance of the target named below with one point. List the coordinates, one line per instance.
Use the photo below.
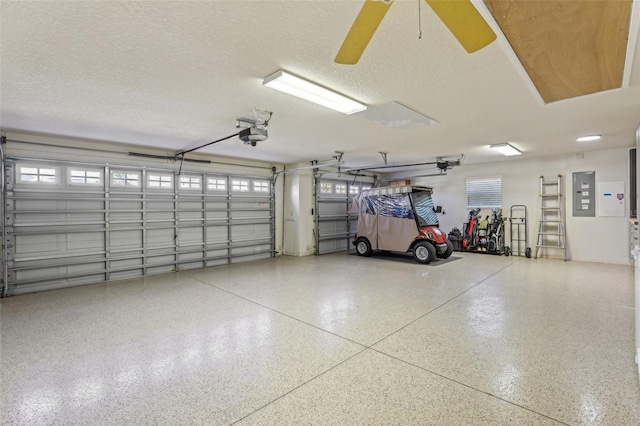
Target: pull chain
(419, 20)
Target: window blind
(484, 191)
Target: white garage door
(335, 226)
(72, 223)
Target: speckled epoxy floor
(335, 339)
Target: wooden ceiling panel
(569, 48)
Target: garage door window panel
(38, 174)
(239, 185)
(125, 179)
(85, 177)
(261, 186)
(159, 181)
(217, 184)
(191, 183)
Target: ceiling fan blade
(465, 23)
(362, 30)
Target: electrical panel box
(584, 194)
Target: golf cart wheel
(424, 252)
(363, 247)
(507, 250)
(527, 252)
(447, 253)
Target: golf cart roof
(397, 189)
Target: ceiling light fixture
(588, 138)
(505, 149)
(296, 86)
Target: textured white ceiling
(172, 74)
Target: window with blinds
(484, 191)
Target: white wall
(595, 239)
(298, 204)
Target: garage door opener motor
(254, 130)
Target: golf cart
(402, 219)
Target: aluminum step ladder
(551, 226)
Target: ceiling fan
(460, 16)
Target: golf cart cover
(387, 220)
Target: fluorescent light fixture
(296, 86)
(505, 149)
(588, 138)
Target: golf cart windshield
(424, 208)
